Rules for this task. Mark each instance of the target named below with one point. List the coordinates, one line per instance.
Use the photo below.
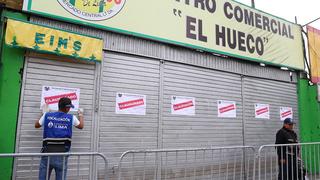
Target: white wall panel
(204, 128)
(276, 94)
(40, 72)
(120, 132)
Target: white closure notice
(130, 104)
(262, 111)
(285, 112)
(52, 94)
(227, 109)
(181, 105)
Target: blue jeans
(58, 163)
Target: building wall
(309, 110)
(10, 84)
(148, 48)
(40, 72)
(159, 71)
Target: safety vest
(57, 126)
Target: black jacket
(286, 136)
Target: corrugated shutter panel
(41, 72)
(205, 128)
(276, 94)
(118, 132)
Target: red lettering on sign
(262, 110)
(182, 105)
(130, 104)
(56, 98)
(227, 108)
(285, 114)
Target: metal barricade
(78, 165)
(225, 163)
(299, 161)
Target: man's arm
(280, 138)
(39, 122)
(281, 151)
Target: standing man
(57, 135)
(289, 168)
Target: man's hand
(45, 109)
(80, 115)
(80, 112)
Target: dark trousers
(291, 170)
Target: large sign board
(314, 53)
(218, 26)
(45, 39)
